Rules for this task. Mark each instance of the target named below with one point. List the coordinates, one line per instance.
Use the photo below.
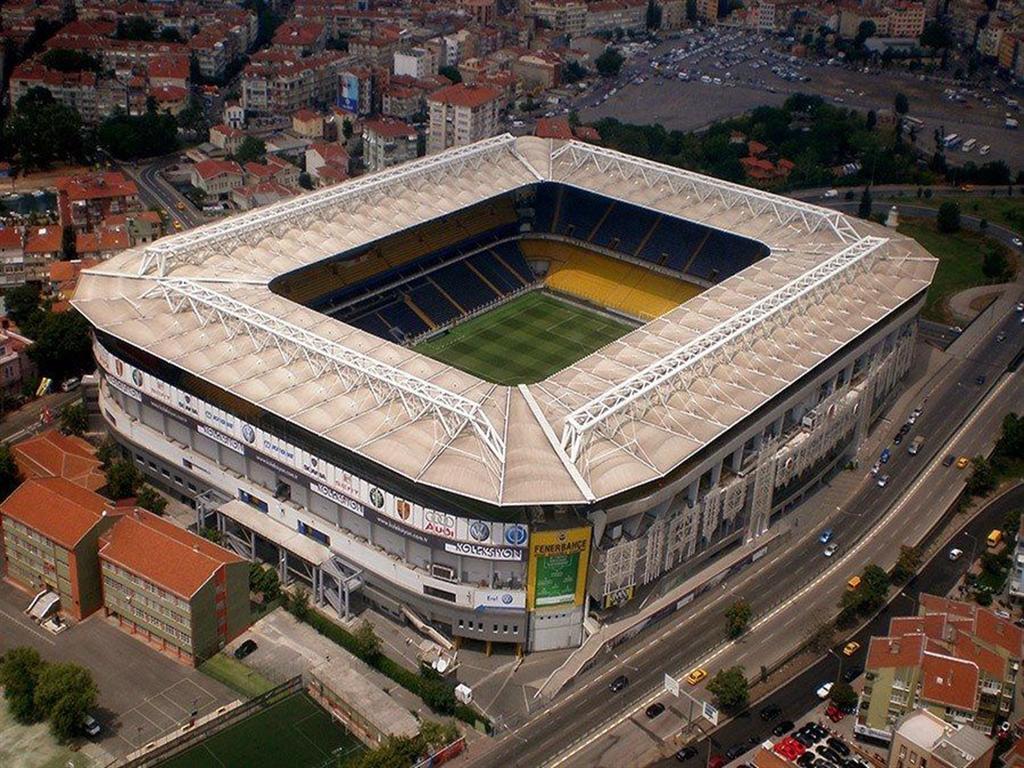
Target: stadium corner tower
(324, 378)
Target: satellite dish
(441, 665)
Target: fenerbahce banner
(557, 573)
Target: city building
(54, 454)
(49, 532)
(502, 513)
(1017, 565)
(259, 193)
(217, 177)
(538, 71)
(460, 115)
(85, 200)
(415, 62)
(605, 15)
(16, 367)
(923, 740)
(12, 256)
(277, 83)
(104, 242)
(707, 10)
(181, 593)
(321, 157)
(302, 38)
(388, 142)
(307, 124)
(226, 137)
(956, 660)
(565, 17)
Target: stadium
(500, 388)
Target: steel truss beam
(630, 400)
(387, 384)
(784, 210)
(194, 246)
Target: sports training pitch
(293, 732)
(525, 340)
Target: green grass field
(294, 732)
(525, 340)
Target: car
(826, 536)
(782, 728)
(686, 753)
(71, 384)
(90, 727)
(696, 675)
(1020, 306)
(834, 713)
(884, 457)
(949, 460)
(876, 468)
(245, 648)
(851, 648)
(831, 549)
(177, 225)
(852, 672)
(838, 745)
(618, 684)
(824, 690)
(962, 462)
(770, 712)
(899, 437)
(883, 481)
(830, 754)
(180, 206)
(955, 554)
(717, 761)
(654, 710)
(979, 380)
(1018, 242)
(806, 760)
(735, 751)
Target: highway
(613, 726)
(157, 192)
(938, 576)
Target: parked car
(824, 690)
(618, 684)
(834, 713)
(735, 751)
(955, 554)
(90, 727)
(686, 753)
(839, 746)
(781, 729)
(962, 462)
(806, 760)
(949, 460)
(716, 761)
(884, 458)
(826, 536)
(654, 710)
(770, 712)
(245, 648)
(883, 481)
(831, 549)
(851, 648)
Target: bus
(968, 145)
(951, 140)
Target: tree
(41, 130)
(907, 563)
(936, 36)
(901, 104)
(737, 618)
(305, 180)
(843, 696)
(149, 498)
(123, 479)
(64, 694)
(609, 63)
(691, 10)
(874, 587)
(211, 534)
(865, 29)
(653, 17)
(995, 265)
(68, 246)
(64, 60)
(19, 676)
(136, 28)
(452, 73)
(872, 120)
(436, 735)
(864, 208)
(129, 137)
(346, 129)
(821, 639)
(74, 419)
(983, 477)
(367, 642)
(10, 475)
(63, 347)
(573, 72)
(192, 119)
(251, 150)
(21, 302)
(108, 452)
(730, 689)
(948, 218)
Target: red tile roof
(211, 169)
(553, 128)
(463, 95)
(227, 130)
(895, 652)
(11, 237)
(950, 681)
(305, 115)
(162, 553)
(169, 68)
(988, 661)
(297, 32)
(57, 508)
(933, 626)
(93, 186)
(999, 632)
(392, 129)
(44, 239)
(52, 454)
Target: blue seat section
(624, 228)
(545, 205)
(723, 255)
(462, 284)
(495, 272)
(673, 242)
(513, 256)
(375, 324)
(397, 314)
(580, 213)
(426, 296)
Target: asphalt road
(797, 697)
(158, 192)
(550, 732)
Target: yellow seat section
(608, 282)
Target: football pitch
(293, 732)
(525, 340)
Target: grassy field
(960, 258)
(293, 732)
(525, 340)
(33, 746)
(235, 675)
(1007, 211)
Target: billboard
(557, 572)
(348, 94)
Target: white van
(71, 384)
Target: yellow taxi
(696, 675)
(851, 648)
(180, 206)
(962, 462)
(177, 225)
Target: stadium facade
(261, 367)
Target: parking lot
(143, 694)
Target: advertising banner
(557, 572)
(348, 93)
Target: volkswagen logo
(506, 599)
(479, 530)
(137, 377)
(248, 433)
(376, 497)
(515, 535)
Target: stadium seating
(462, 283)
(608, 282)
(722, 255)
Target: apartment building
(921, 739)
(85, 200)
(957, 660)
(16, 367)
(564, 17)
(12, 256)
(42, 248)
(415, 62)
(388, 142)
(1017, 565)
(217, 177)
(461, 114)
(179, 592)
(54, 454)
(707, 10)
(49, 530)
(604, 15)
(538, 70)
(301, 38)
(227, 138)
(275, 83)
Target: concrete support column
(737, 460)
(716, 474)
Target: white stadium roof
(623, 416)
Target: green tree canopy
(452, 73)
(64, 60)
(251, 150)
(843, 696)
(41, 131)
(74, 420)
(19, 675)
(865, 205)
(149, 498)
(737, 618)
(948, 218)
(609, 63)
(64, 694)
(123, 479)
(129, 137)
(901, 103)
(21, 301)
(63, 347)
(730, 689)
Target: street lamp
(974, 545)
(840, 671)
